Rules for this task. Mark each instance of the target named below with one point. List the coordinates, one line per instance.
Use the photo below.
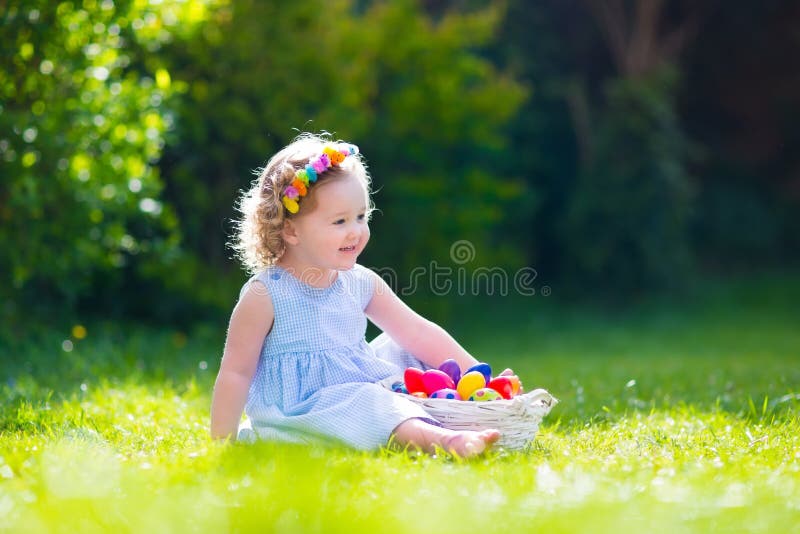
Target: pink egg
(434, 380)
(447, 393)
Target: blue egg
(482, 368)
(399, 387)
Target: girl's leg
(463, 443)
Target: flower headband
(331, 155)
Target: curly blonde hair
(258, 240)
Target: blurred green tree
(627, 224)
(608, 152)
(745, 112)
(415, 93)
(83, 113)
(626, 227)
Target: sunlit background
(618, 149)
(601, 194)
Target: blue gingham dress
(316, 378)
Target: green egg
(485, 394)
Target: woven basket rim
(538, 393)
(500, 403)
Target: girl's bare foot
(465, 443)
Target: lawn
(676, 415)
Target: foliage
(454, 177)
(83, 113)
(738, 212)
(745, 214)
(609, 154)
(736, 226)
(127, 129)
(626, 226)
(427, 110)
(670, 418)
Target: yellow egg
(470, 383)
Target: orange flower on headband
(300, 185)
(331, 155)
(335, 156)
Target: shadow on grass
(57, 364)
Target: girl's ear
(289, 232)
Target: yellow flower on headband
(290, 204)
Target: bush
(85, 106)
(627, 223)
(426, 109)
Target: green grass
(674, 417)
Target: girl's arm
(250, 323)
(424, 339)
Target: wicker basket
(517, 419)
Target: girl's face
(333, 234)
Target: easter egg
(452, 369)
(434, 380)
(485, 394)
(470, 382)
(413, 380)
(516, 385)
(419, 395)
(502, 385)
(399, 387)
(447, 393)
(482, 368)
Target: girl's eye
(340, 221)
(362, 217)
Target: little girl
(296, 359)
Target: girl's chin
(347, 263)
